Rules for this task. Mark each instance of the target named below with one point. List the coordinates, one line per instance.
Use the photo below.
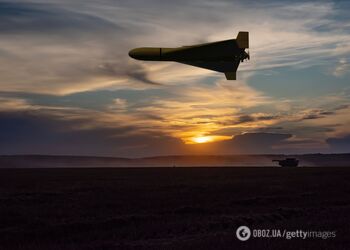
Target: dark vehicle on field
(288, 162)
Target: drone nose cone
(133, 53)
(148, 54)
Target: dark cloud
(38, 132)
(341, 107)
(150, 117)
(35, 133)
(269, 129)
(341, 144)
(312, 117)
(304, 131)
(323, 113)
(47, 19)
(248, 143)
(255, 142)
(320, 113)
(267, 118)
(245, 118)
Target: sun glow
(205, 139)
(202, 139)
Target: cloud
(245, 119)
(325, 122)
(119, 104)
(48, 19)
(255, 118)
(8, 103)
(184, 113)
(194, 111)
(339, 144)
(78, 47)
(314, 114)
(269, 143)
(341, 107)
(39, 133)
(67, 62)
(342, 68)
(255, 142)
(187, 114)
(53, 130)
(69, 51)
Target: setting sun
(205, 139)
(202, 139)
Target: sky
(68, 86)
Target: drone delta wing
(229, 68)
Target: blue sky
(67, 85)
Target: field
(171, 208)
